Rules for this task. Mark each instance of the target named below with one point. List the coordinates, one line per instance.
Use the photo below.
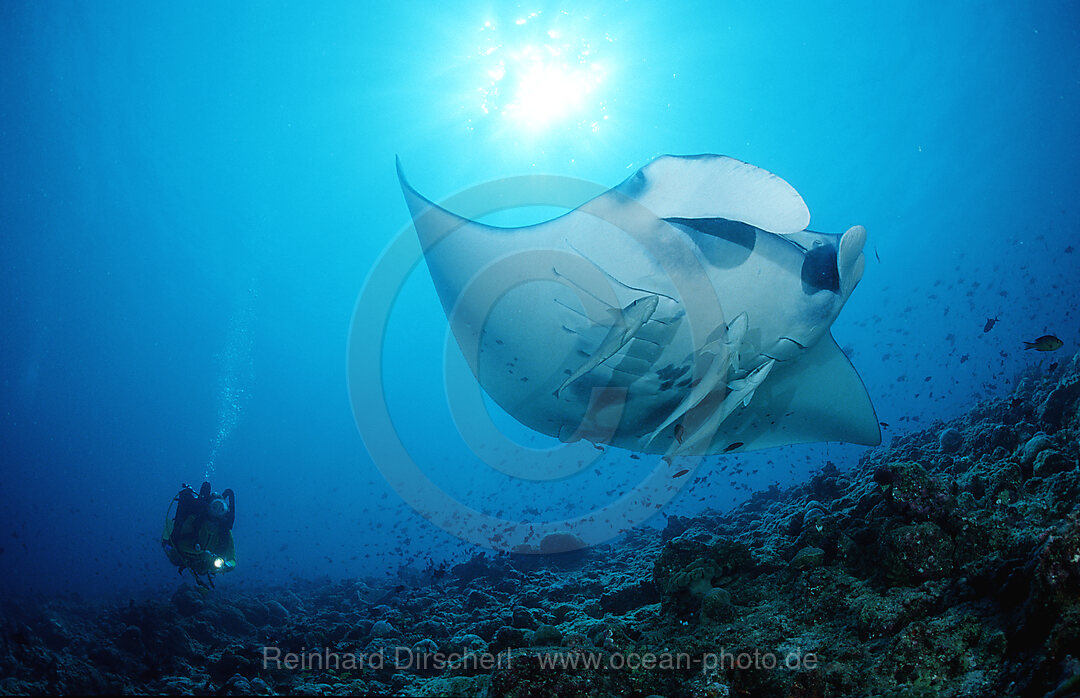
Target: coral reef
(945, 564)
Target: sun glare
(538, 71)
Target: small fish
(1047, 342)
(682, 472)
(733, 446)
(990, 322)
(1052, 367)
(679, 432)
(884, 424)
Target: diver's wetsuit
(193, 523)
(230, 516)
(190, 504)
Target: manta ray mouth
(819, 270)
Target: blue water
(192, 195)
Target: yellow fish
(1047, 342)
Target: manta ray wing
(717, 186)
(608, 323)
(819, 397)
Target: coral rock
(807, 557)
(1034, 446)
(950, 440)
(716, 605)
(1051, 462)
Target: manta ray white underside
(684, 312)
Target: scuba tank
(200, 544)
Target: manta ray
(684, 312)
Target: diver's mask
(218, 507)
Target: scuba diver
(199, 537)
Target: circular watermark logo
(692, 293)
